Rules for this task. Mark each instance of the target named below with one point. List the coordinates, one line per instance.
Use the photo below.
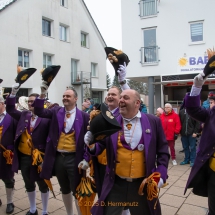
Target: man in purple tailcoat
(202, 175)
(65, 143)
(7, 134)
(31, 134)
(133, 154)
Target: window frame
(74, 74)
(95, 65)
(190, 33)
(23, 57)
(61, 26)
(65, 4)
(47, 55)
(141, 9)
(50, 21)
(87, 39)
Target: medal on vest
(140, 147)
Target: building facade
(166, 42)
(38, 33)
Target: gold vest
(102, 158)
(212, 162)
(67, 142)
(1, 130)
(25, 144)
(130, 163)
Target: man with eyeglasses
(7, 134)
(31, 135)
(172, 126)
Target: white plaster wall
(21, 27)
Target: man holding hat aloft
(202, 175)
(133, 154)
(7, 134)
(65, 143)
(30, 140)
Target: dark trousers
(125, 193)
(64, 169)
(211, 191)
(189, 145)
(25, 162)
(9, 183)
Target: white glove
(15, 89)
(44, 88)
(199, 80)
(160, 183)
(83, 165)
(88, 137)
(122, 72)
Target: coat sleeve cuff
(192, 101)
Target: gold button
(113, 169)
(202, 160)
(208, 154)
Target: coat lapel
(37, 122)
(147, 132)
(60, 119)
(78, 124)
(7, 120)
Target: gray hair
(1, 99)
(168, 105)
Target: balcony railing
(80, 77)
(149, 54)
(148, 8)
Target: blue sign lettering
(192, 60)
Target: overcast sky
(107, 16)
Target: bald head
(129, 103)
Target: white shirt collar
(138, 115)
(3, 113)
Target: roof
(5, 3)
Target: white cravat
(69, 121)
(133, 136)
(33, 121)
(2, 116)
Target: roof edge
(7, 5)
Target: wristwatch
(122, 82)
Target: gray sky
(107, 16)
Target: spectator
(206, 103)
(86, 106)
(189, 132)
(159, 112)
(143, 107)
(172, 126)
(96, 106)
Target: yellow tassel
(37, 157)
(8, 154)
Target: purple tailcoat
(7, 140)
(57, 115)
(197, 179)
(39, 134)
(156, 151)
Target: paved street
(171, 197)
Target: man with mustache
(133, 154)
(65, 143)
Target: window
(64, 3)
(84, 39)
(46, 27)
(47, 60)
(148, 8)
(149, 51)
(23, 58)
(63, 33)
(97, 96)
(94, 69)
(196, 31)
(74, 71)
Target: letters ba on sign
(191, 64)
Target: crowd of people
(43, 140)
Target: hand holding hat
(88, 137)
(121, 72)
(199, 80)
(83, 165)
(44, 88)
(15, 89)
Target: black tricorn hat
(1, 80)
(24, 75)
(49, 73)
(116, 57)
(210, 66)
(103, 125)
